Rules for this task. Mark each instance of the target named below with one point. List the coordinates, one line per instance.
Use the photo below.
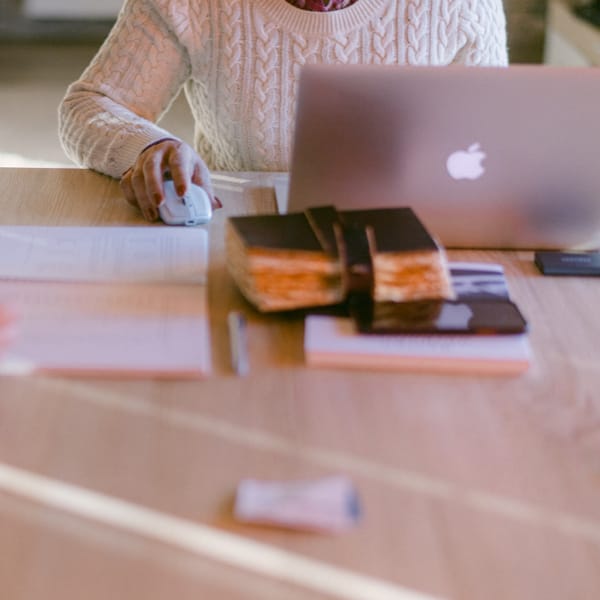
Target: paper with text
(126, 254)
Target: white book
(106, 301)
(334, 341)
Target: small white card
(329, 504)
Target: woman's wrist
(156, 142)
(150, 145)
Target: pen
(238, 341)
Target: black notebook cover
(394, 229)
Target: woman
(239, 61)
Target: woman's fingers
(142, 185)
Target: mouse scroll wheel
(190, 205)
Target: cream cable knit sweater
(239, 61)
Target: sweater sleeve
(483, 24)
(109, 115)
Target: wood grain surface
(472, 488)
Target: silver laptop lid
(488, 157)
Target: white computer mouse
(192, 209)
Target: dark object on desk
(454, 317)
(581, 264)
(319, 257)
(589, 12)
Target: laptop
(488, 157)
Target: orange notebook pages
(291, 261)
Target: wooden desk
(472, 488)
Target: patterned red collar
(321, 5)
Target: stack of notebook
(335, 341)
(316, 258)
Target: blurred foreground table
(472, 488)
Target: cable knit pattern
(265, 90)
(240, 61)
(384, 34)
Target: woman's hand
(167, 159)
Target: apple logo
(466, 164)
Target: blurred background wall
(526, 24)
